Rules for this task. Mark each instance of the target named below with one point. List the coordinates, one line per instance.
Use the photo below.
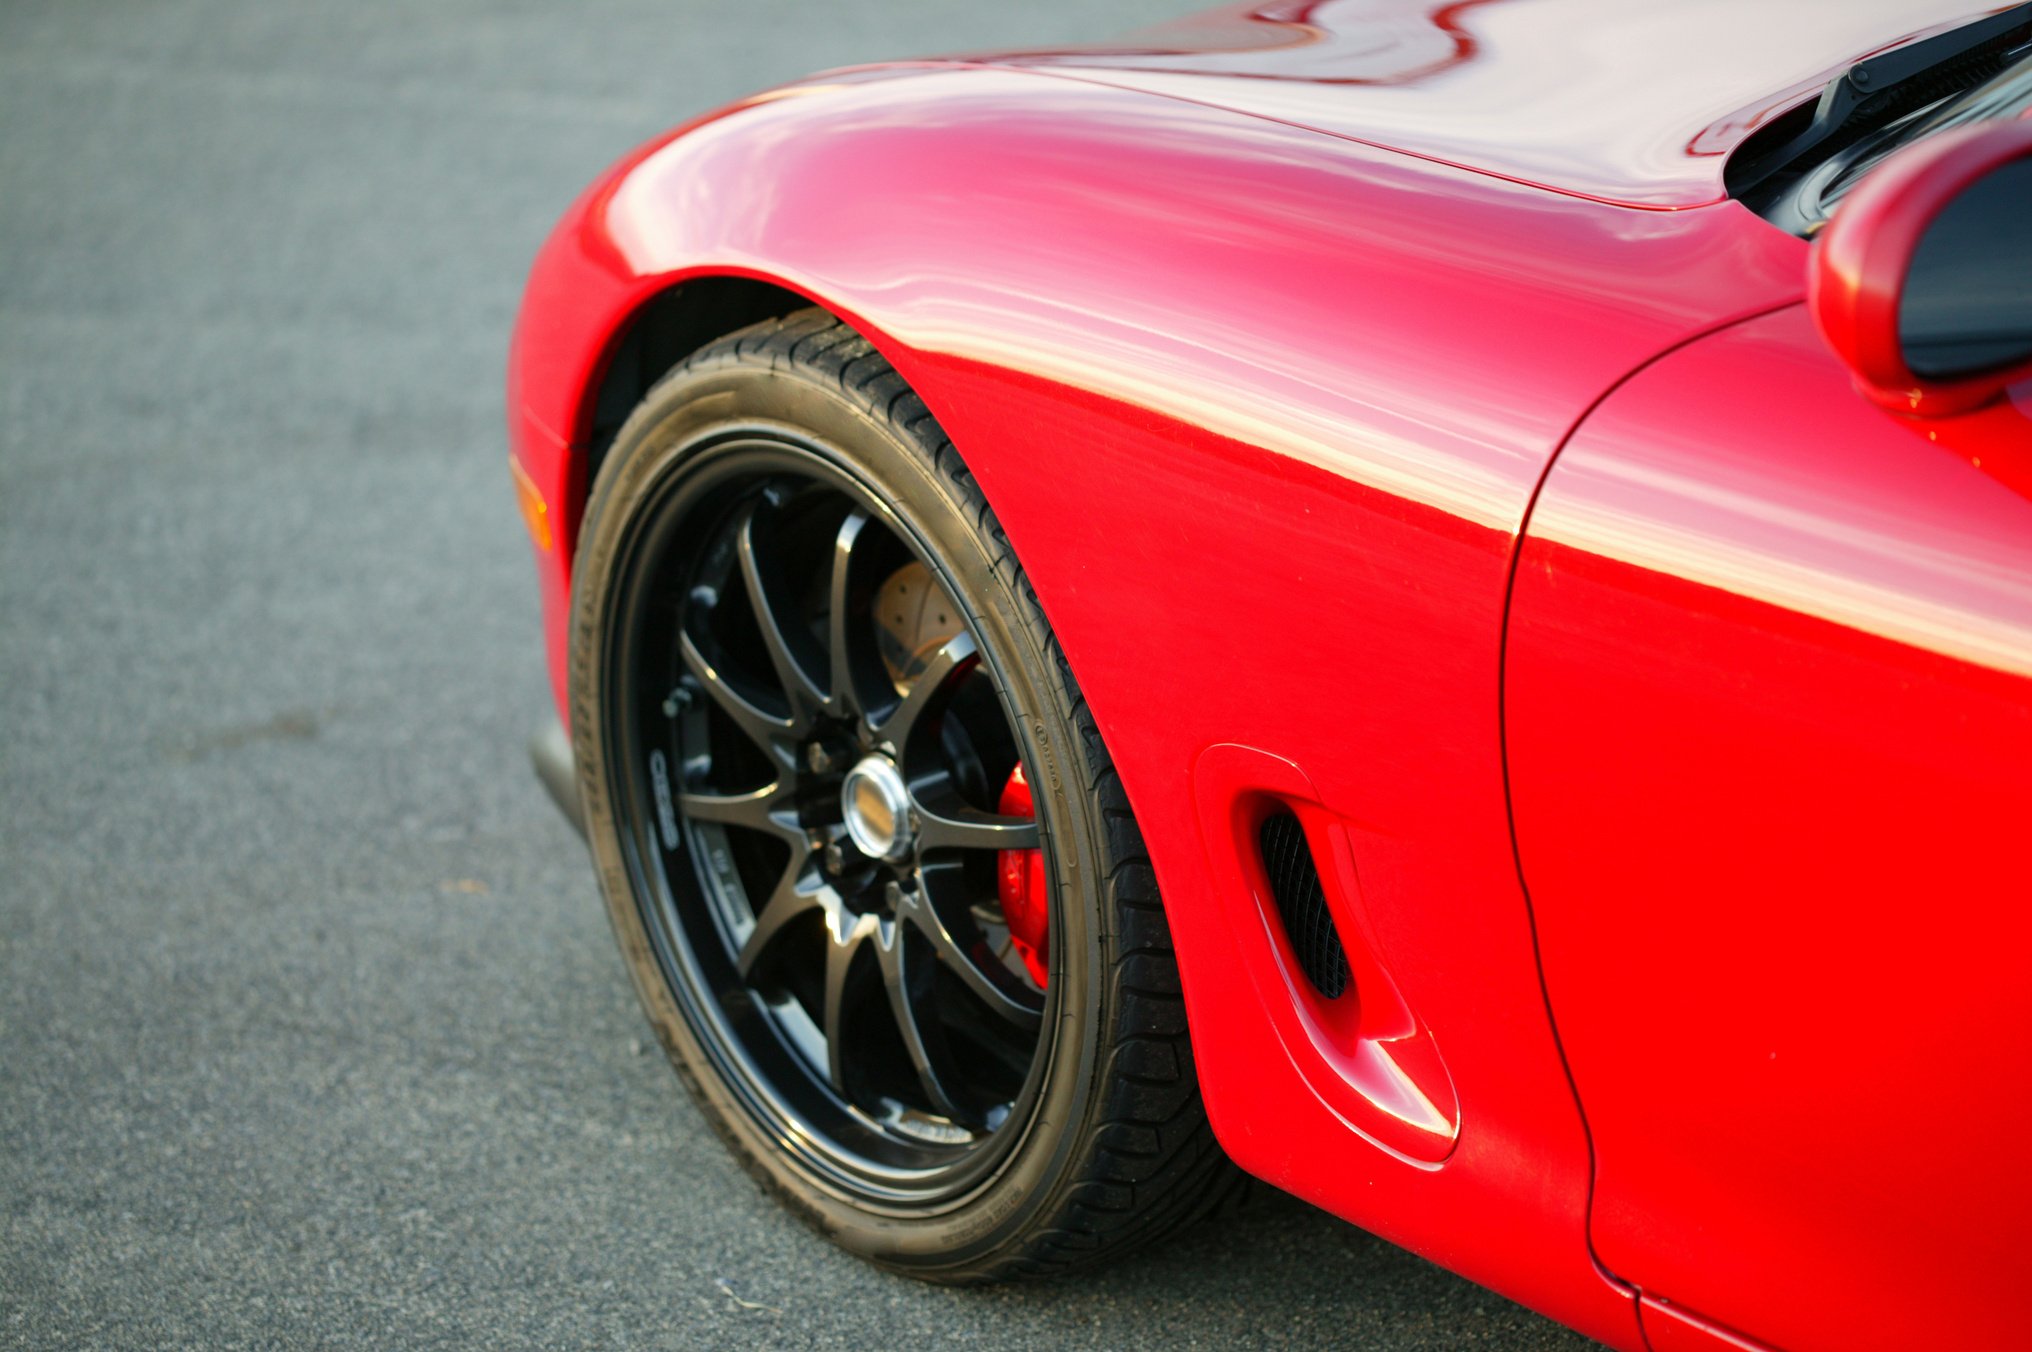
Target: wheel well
(672, 326)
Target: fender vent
(1301, 903)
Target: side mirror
(1922, 282)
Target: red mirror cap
(1856, 274)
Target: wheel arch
(654, 338)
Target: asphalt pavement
(311, 1029)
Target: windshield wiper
(1884, 88)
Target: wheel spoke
(909, 981)
(780, 640)
(946, 822)
(955, 655)
(981, 972)
(786, 903)
(843, 946)
(843, 692)
(762, 727)
(769, 809)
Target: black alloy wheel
(806, 676)
(815, 750)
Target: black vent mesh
(1301, 903)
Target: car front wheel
(870, 866)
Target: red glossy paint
(1668, 1328)
(1312, 385)
(1857, 274)
(1770, 714)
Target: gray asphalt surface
(311, 1030)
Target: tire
(953, 1159)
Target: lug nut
(835, 858)
(818, 759)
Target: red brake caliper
(1024, 897)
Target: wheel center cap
(876, 806)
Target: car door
(1768, 707)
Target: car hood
(1629, 101)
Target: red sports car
(1432, 604)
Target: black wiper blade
(1889, 85)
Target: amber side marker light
(535, 511)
